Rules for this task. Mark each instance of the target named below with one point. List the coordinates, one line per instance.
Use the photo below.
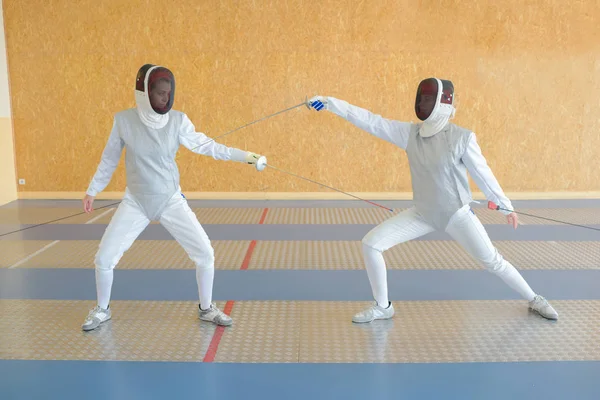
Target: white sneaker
(542, 307)
(96, 316)
(374, 312)
(214, 315)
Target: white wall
(8, 180)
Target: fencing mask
(434, 105)
(154, 95)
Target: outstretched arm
(483, 175)
(199, 143)
(395, 132)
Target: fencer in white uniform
(440, 154)
(152, 133)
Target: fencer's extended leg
(125, 226)
(466, 229)
(181, 222)
(401, 228)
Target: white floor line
(29, 257)
(23, 261)
(97, 217)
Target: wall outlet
(21, 181)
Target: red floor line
(213, 347)
(211, 352)
(263, 216)
(248, 256)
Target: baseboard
(305, 195)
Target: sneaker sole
(216, 323)
(374, 319)
(543, 316)
(95, 327)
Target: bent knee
(104, 260)
(369, 242)
(204, 259)
(495, 265)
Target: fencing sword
(494, 206)
(329, 187)
(55, 220)
(304, 103)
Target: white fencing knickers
(464, 227)
(127, 224)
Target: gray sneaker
(96, 316)
(542, 307)
(214, 315)
(374, 312)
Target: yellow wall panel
(526, 78)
